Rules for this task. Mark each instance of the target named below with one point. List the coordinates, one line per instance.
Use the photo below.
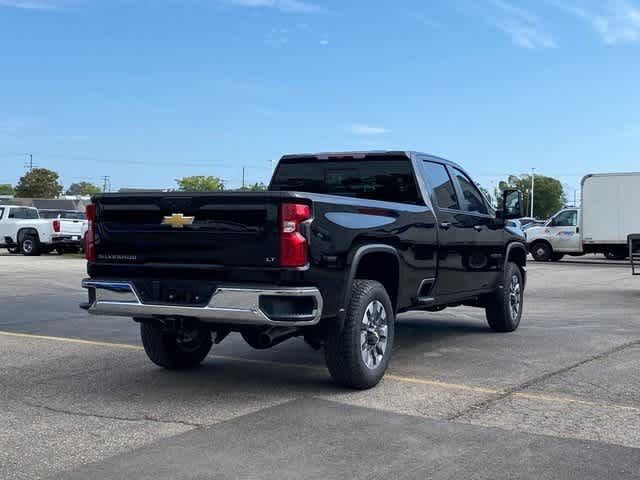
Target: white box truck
(609, 213)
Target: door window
(1, 213)
(23, 213)
(473, 199)
(442, 185)
(566, 219)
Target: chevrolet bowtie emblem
(177, 220)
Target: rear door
(455, 235)
(484, 260)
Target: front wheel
(556, 257)
(183, 348)
(541, 251)
(30, 245)
(13, 250)
(358, 354)
(505, 305)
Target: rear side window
(49, 214)
(474, 201)
(23, 213)
(386, 179)
(1, 213)
(439, 179)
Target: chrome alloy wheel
(373, 335)
(515, 297)
(27, 246)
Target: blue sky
(147, 91)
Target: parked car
(608, 215)
(338, 245)
(73, 223)
(23, 231)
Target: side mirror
(511, 205)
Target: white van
(609, 213)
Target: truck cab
(558, 237)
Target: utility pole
(29, 165)
(242, 178)
(106, 184)
(533, 182)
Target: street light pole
(533, 182)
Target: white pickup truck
(608, 215)
(23, 231)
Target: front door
(484, 263)
(563, 233)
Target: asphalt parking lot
(559, 398)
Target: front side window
(473, 199)
(566, 219)
(442, 185)
(24, 213)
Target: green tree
(6, 189)
(256, 187)
(39, 183)
(200, 184)
(83, 188)
(548, 195)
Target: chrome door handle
(445, 225)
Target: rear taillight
(89, 245)
(56, 226)
(294, 250)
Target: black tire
(541, 251)
(30, 245)
(344, 352)
(556, 257)
(13, 250)
(616, 254)
(501, 317)
(59, 250)
(165, 350)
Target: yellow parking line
(77, 341)
(389, 376)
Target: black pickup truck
(338, 245)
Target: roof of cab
(367, 153)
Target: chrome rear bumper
(229, 305)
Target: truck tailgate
(238, 229)
(71, 227)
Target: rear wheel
(541, 251)
(30, 245)
(358, 355)
(616, 254)
(13, 250)
(504, 307)
(183, 348)
(556, 257)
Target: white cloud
(523, 27)
(287, 6)
(366, 130)
(615, 21)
